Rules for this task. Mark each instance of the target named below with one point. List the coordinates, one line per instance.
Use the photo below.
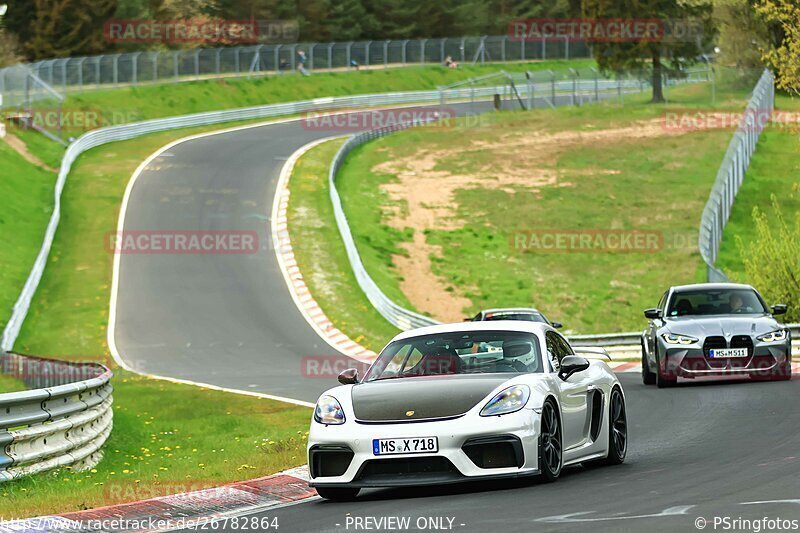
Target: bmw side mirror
(652, 314)
(779, 309)
(572, 364)
(558, 325)
(349, 377)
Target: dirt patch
(519, 163)
(21, 148)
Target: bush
(772, 261)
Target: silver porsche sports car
(465, 402)
(714, 329)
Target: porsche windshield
(716, 302)
(525, 316)
(464, 352)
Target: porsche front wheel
(550, 443)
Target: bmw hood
(419, 398)
(725, 325)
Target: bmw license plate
(728, 352)
(405, 445)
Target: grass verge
(152, 101)
(589, 170)
(774, 169)
(167, 436)
(321, 255)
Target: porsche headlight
(507, 401)
(672, 338)
(329, 411)
(773, 336)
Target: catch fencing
(19, 85)
(552, 92)
(730, 175)
(123, 132)
(64, 419)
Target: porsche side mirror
(572, 364)
(558, 325)
(779, 309)
(349, 377)
(652, 314)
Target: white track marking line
(305, 303)
(112, 314)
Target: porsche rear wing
(592, 352)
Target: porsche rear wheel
(617, 429)
(339, 494)
(550, 443)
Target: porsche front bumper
(470, 448)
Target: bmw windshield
(707, 302)
(465, 352)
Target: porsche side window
(553, 350)
(663, 302)
(566, 349)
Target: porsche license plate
(727, 352)
(405, 445)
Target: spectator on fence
(354, 64)
(449, 63)
(301, 62)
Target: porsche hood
(420, 398)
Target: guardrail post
(155, 65)
(217, 65)
(596, 88)
(404, 51)
(80, 72)
(116, 69)
(366, 52)
(386, 54)
(311, 56)
(552, 87)
(503, 48)
(422, 50)
(441, 50)
(522, 48)
(544, 48)
(349, 54)
(175, 63)
(330, 55)
(293, 52)
(462, 49)
(237, 60)
(197, 64)
(134, 65)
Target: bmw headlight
(507, 401)
(672, 338)
(329, 411)
(773, 336)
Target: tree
(742, 32)
(8, 49)
(772, 260)
(783, 55)
(668, 53)
(59, 28)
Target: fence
(731, 173)
(123, 132)
(555, 93)
(136, 68)
(64, 420)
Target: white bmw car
(466, 402)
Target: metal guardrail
(559, 92)
(124, 132)
(732, 171)
(160, 66)
(64, 420)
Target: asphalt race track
(222, 319)
(699, 451)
